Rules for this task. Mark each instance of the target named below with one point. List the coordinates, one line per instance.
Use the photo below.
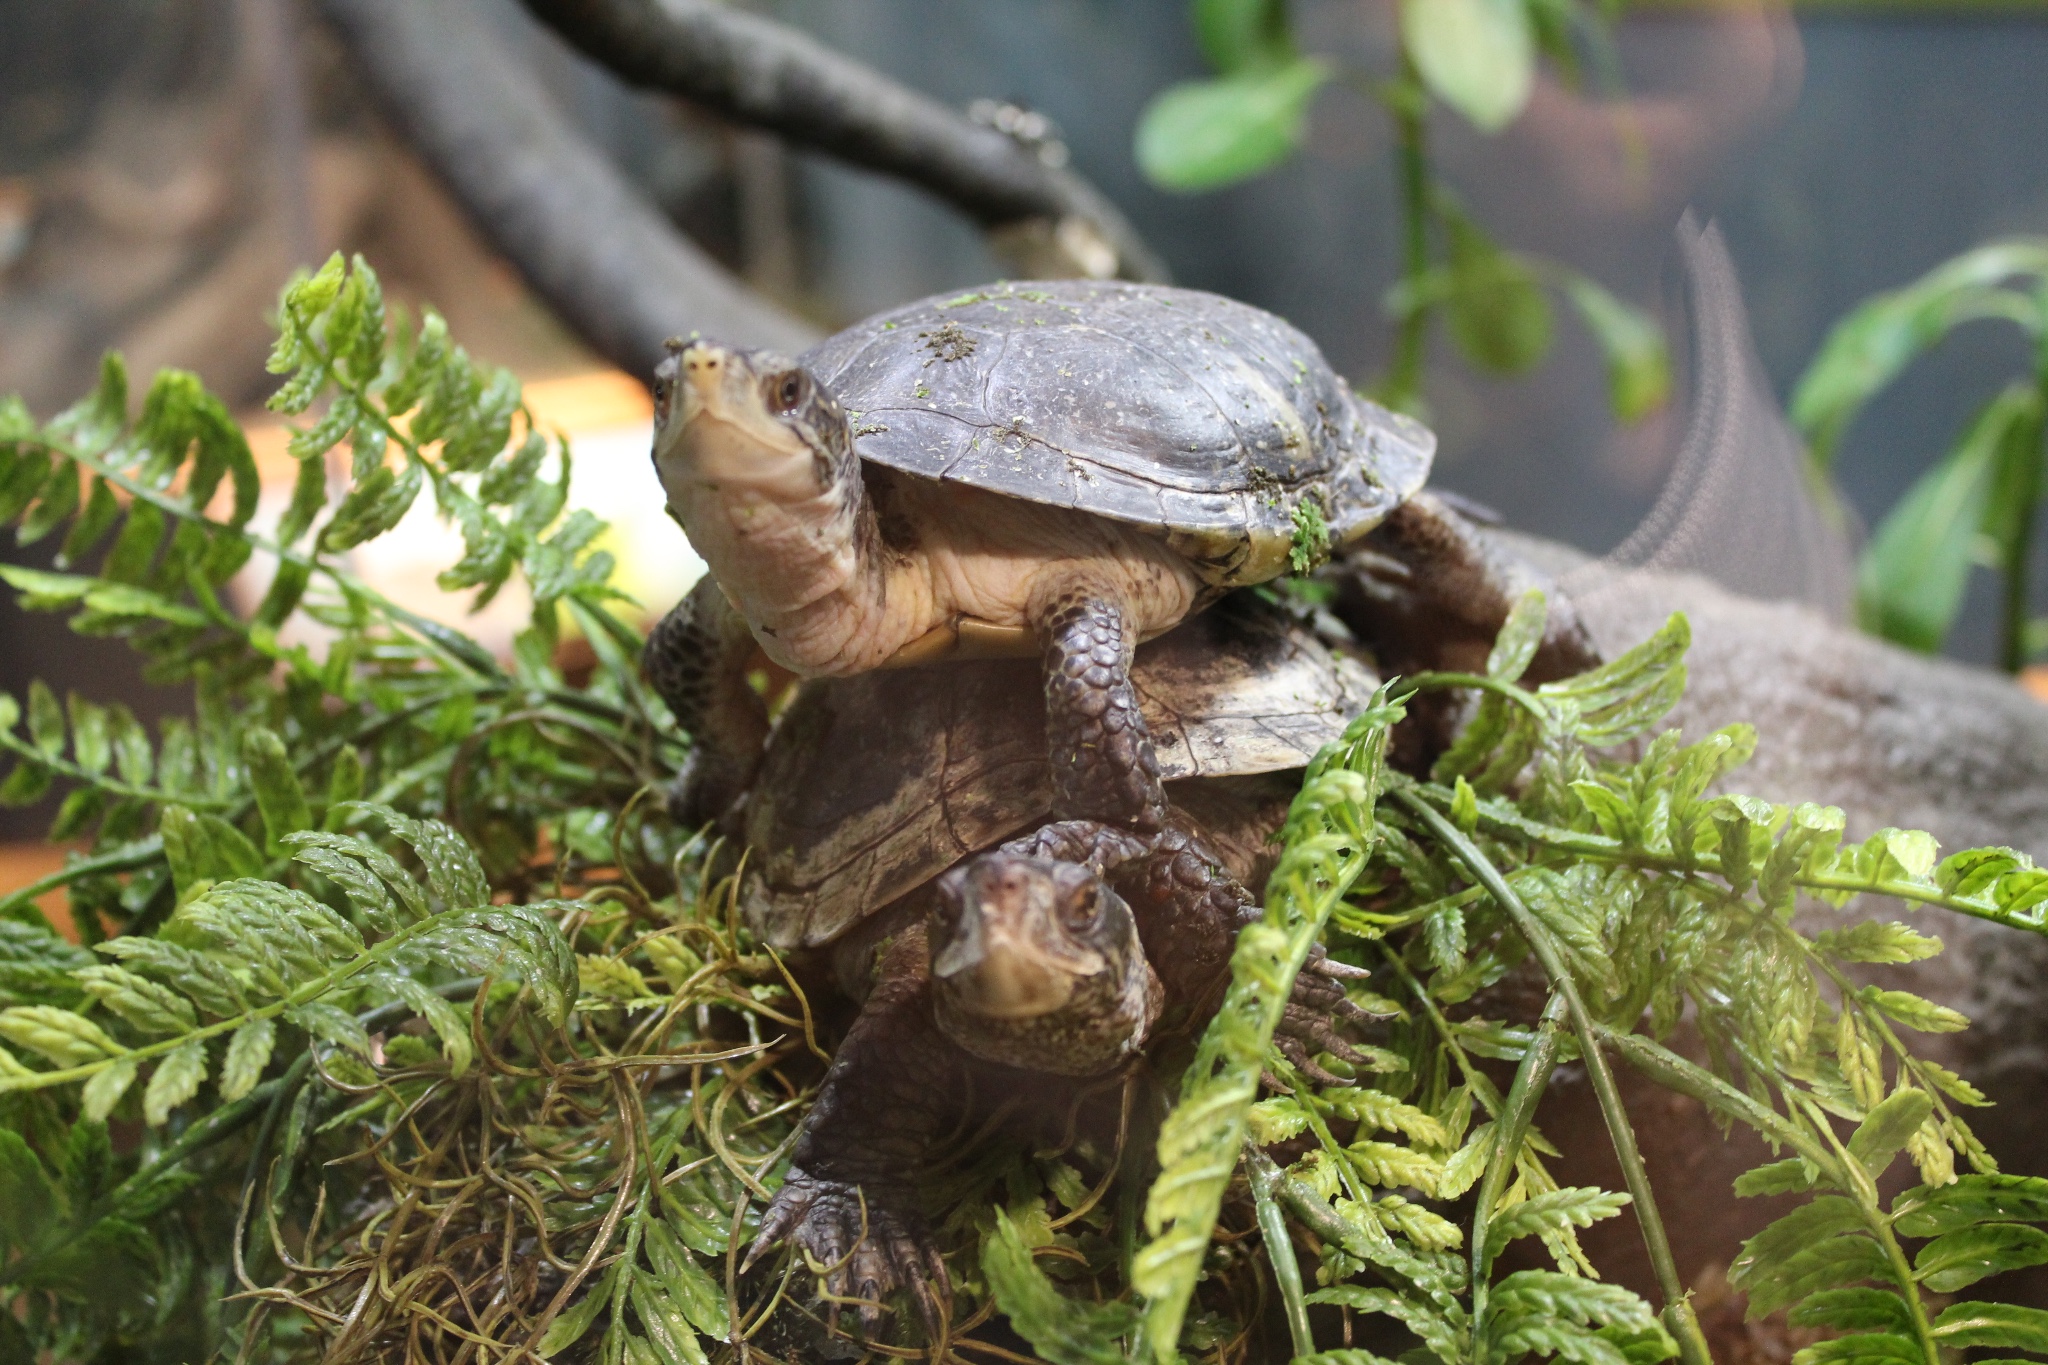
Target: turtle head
(1037, 963)
(750, 419)
(757, 461)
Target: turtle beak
(993, 958)
(703, 370)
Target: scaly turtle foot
(867, 1250)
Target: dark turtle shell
(872, 785)
(1202, 419)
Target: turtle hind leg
(1103, 766)
(1427, 589)
(696, 660)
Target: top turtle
(1213, 425)
(1068, 467)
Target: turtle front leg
(849, 1201)
(1103, 766)
(696, 660)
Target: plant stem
(1409, 107)
(1498, 819)
(1531, 1079)
(1678, 1316)
(1265, 1179)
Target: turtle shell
(1204, 420)
(873, 784)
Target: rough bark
(769, 76)
(602, 257)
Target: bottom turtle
(1064, 955)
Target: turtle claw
(1294, 1051)
(865, 1252)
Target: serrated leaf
(1854, 1310)
(1065, 1331)
(106, 1088)
(1553, 1211)
(177, 1078)
(1890, 1124)
(668, 1331)
(28, 1198)
(1874, 941)
(454, 875)
(248, 1053)
(1965, 1256)
(450, 1025)
(45, 720)
(1864, 1348)
(211, 986)
(1385, 1164)
(1377, 1109)
(149, 1007)
(279, 796)
(1929, 1211)
(1789, 1176)
(67, 1039)
(700, 1297)
(1916, 1013)
(573, 1322)
(331, 1024)
(1275, 1120)
(2004, 1325)
(1436, 1331)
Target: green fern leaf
(1930, 1211)
(1914, 1012)
(1967, 1255)
(1552, 1211)
(1065, 1331)
(67, 1039)
(105, 1089)
(248, 1053)
(1872, 941)
(1864, 1348)
(1790, 1176)
(1855, 1310)
(28, 1197)
(1442, 1334)
(2002, 1325)
(177, 1078)
(146, 1006)
(211, 986)
(1879, 1137)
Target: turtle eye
(1083, 911)
(786, 390)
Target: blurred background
(165, 164)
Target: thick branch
(766, 75)
(601, 256)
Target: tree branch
(599, 254)
(769, 76)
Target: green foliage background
(406, 1026)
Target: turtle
(1063, 468)
(875, 827)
